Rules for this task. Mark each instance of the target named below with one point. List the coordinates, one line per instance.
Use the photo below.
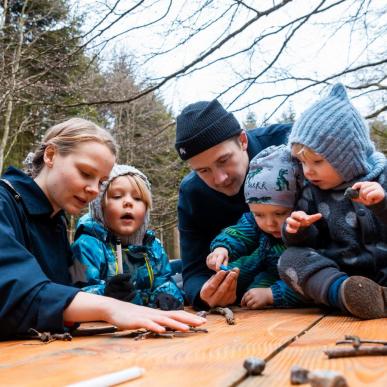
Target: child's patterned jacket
(256, 254)
(94, 250)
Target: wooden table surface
(284, 337)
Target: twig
(362, 351)
(168, 334)
(226, 312)
(149, 334)
(358, 349)
(48, 337)
(356, 341)
(193, 329)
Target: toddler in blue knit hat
(339, 231)
(254, 244)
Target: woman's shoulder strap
(7, 184)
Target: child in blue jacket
(254, 244)
(117, 256)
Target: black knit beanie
(202, 125)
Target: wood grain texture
(308, 352)
(212, 359)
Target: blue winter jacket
(94, 249)
(35, 257)
(204, 212)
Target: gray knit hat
(274, 177)
(333, 128)
(95, 207)
(202, 125)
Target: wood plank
(308, 352)
(214, 358)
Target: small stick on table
(48, 337)
(147, 334)
(350, 352)
(226, 312)
(168, 334)
(358, 349)
(356, 341)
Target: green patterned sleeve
(240, 239)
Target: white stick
(111, 379)
(119, 258)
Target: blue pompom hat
(333, 128)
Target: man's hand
(298, 219)
(220, 289)
(218, 257)
(370, 192)
(257, 298)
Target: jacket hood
(88, 225)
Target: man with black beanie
(211, 196)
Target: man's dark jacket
(204, 212)
(34, 259)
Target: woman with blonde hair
(63, 175)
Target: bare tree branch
(191, 64)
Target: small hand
(220, 289)
(299, 219)
(120, 287)
(257, 298)
(370, 192)
(218, 257)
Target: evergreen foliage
(251, 121)
(41, 64)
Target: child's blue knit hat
(202, 125)
(333, 128)
(274, 177)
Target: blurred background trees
(40, 60)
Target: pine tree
(251, 121)
(40, 63)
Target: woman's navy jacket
(34, 259)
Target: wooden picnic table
(283, 337)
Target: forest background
(120, 63)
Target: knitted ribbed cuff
(277, 295)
